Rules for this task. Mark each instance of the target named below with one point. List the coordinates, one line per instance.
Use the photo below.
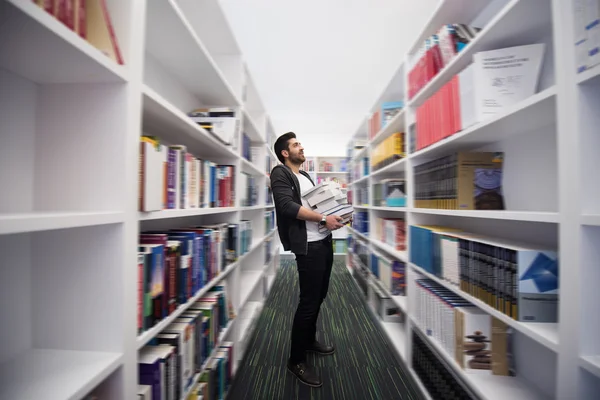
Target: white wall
(319, 65)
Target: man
(299, 232)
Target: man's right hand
(333, 222)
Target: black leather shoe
(305, 374)
(320, 348)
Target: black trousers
(314, 271)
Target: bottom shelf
(486, 386)
(396, 332)
(55, 374)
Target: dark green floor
(364, 366)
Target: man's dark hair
(282, 144)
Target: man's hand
(333, 222)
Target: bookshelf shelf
(536, 112)
(591, 364)
(55, 374)
(171, 39)
(489, 386)
(396, 334)
(556, 124)
(590, 219)
(396, 124)
(251, 280)
(68, 58)
(530, 216)
(70, 224)
(186, 212)
(459, 10)
(41, 221)
(145, 337)
(395, 167)
(172, 125)
(543, 333)
(392, 209)
(252, 169)
(362, 180)
(399, 255)
(253, 131)
(589, 76)
(515, 23)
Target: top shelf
(447, 12)
(518, 23)
(30, 34)
(171, 38)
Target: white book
(505, 77)
(468, 112)
(152, 176)
(186, 350)
(144, 392)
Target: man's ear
(285, 153)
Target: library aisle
(363, 367)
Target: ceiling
(319, 65)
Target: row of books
(269, 220)
(174, 265)
(270, 164)
(187, 359)
(269, 195)
(391, 231)
(436, 52)
(359, 195)
(517, 279)
(324, 179)
(461, 181)
(380, 118)
(388, 151)
(249, 195)
(440, 382)
(586, 28)
(172, 178)
(90, 19)
(360, 222)
(361, 168)
(478, 342)
(390, 272)
(308, 165)
(478, 92)
(249, 152)
(360, 249)
(388, 193)
(337, 166)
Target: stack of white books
(329, 198)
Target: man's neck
(293, 167)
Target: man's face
(296, 152)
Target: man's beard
(297, 159)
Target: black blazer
(288, 200)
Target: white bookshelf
(69, 219)
(553, 202)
